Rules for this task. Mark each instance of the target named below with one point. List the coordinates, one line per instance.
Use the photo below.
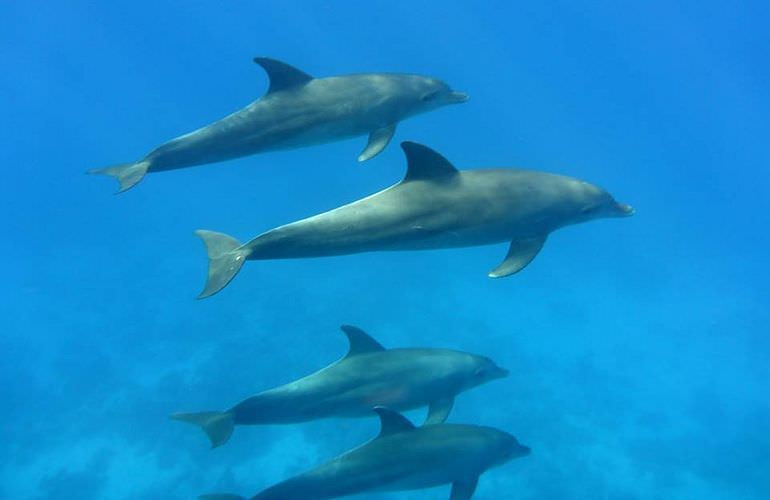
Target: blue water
(638, 347)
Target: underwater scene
(385, 250)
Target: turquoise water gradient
(638, 348)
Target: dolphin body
(368, 376)
(299, 110)
(402, 457)
(434, 206)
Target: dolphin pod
(402, 457)
(434, 206)
(299, 110)
(369, 375)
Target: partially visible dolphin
(434, 206)
(402, 457)
(299, 110)
(368, 376)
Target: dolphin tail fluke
(226, 256)
(221, 496)
(128, 174)
(218, 425)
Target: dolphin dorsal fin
(392, 422)
(424, 163)
(282, 76)
(360, 341)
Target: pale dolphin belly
(398, 379)
(406, 217)
(274, 245)
(320, 112)
(248, 134)
(392, 464)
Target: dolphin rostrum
(434, 206)
(299, 110)
(368, 376)
(402, 457)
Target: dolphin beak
(501, 373)
(525, 450)
(625, 210)
(458, 97)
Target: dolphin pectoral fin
(282, 76)
(217, 425)
(128, 174)
(220, 496)
(463, 490)
(378, 140)
(520, 254)
(439, 410)
(226, 257)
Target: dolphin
(434, 206)
(402, 457)
(369, 375)
(299, 110)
